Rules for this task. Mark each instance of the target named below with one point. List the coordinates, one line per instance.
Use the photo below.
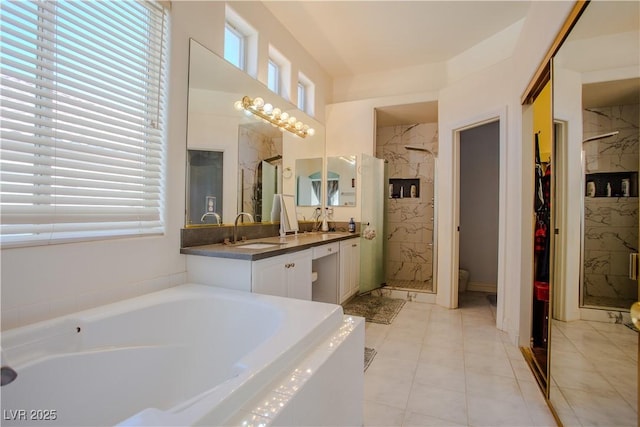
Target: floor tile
(379, 415)
(439, 403)
(440, 367)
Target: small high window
(234, 46)
(302, 96)
(240, 42)
(306, 94)
(279, 74)
(273, 77)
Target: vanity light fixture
(275, 116)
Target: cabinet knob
(329, 249)
(355, 245)
(293, 264)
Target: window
(240, 42)
(83, 126)
(273, 77)
(302, 96)
(279, 74)
(306, 94)
(234, 46)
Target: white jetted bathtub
(189, 355)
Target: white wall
(39, 283)
(483, 91)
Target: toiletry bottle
(402, 192)
(352, 226)
(608, 189)
(413, 191)
(325, 224)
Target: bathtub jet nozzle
(8, 375)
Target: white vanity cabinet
(285, 275)
(324, 268)
(349, 268)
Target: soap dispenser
(352, 226)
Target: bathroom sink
(258, 245)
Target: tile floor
(441, 367)
(594, 371)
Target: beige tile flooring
(441, 367)
(594, 372)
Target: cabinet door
(349, 268)
(299, 275)
(270, 276)
(354, 278)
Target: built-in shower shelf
(616, 180)
(404, 188)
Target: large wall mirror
(596, 94)
(256, 155)
(341, 181)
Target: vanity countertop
(267, 247)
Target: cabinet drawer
(324, 250)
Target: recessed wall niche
(621, 184)
(404, 188)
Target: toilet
(463, 279)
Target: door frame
(499, 115)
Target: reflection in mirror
(260, 167)
(596, 85)
(341, 181)
(308, 182)
(204, 197)
(214, 124)
(288, 213)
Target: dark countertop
(280, 246)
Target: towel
(369, 233)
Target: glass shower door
(372, 213)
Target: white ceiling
(358, 37)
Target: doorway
(479, 178)
(495, 122)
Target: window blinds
(82, 131)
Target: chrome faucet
(235, 224)
(206, 214)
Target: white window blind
(82, 101)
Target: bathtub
(189, 355)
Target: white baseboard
(482, 287)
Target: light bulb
(284, 116)
(299, 125)
(311, 132)
(258, 102)
(292, 120)
(267, 108)
(238, 105)
(276, 113)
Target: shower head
(604, 135)
(418, 148)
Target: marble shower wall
(610, 223)
(409, 221)
(253, 147)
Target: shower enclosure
(409, 212)
(610, 210)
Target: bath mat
(493, 299)
(374, 309)
(369, 354)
